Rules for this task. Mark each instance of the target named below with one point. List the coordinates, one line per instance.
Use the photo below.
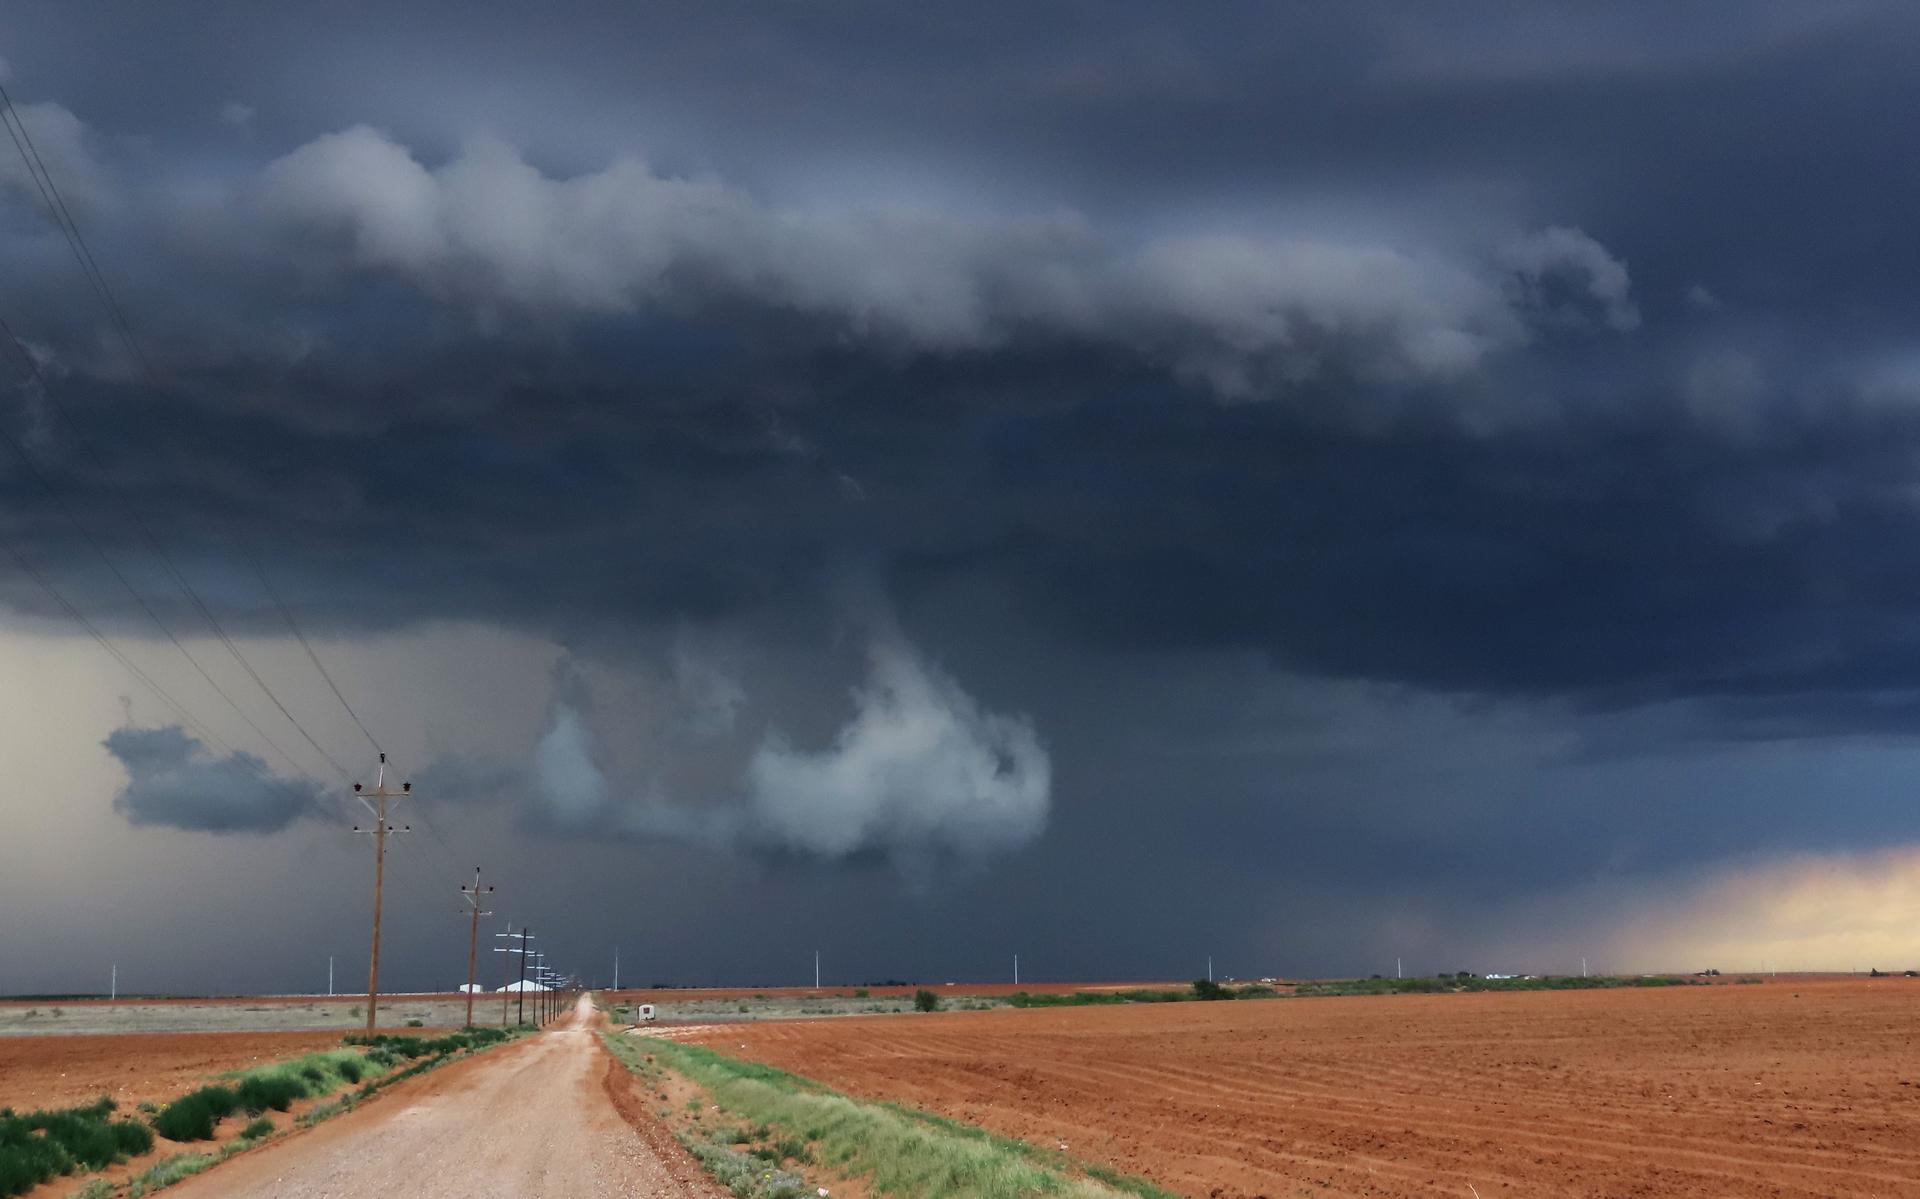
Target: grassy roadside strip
(773, 1120)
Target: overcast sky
(1114, 483)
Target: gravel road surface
(531, 1119)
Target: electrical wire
(62, 217)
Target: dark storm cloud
(1559, 361)
(173, 780)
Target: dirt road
(532, 1119)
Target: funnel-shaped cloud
(919, 770)
(920, 766)
(173, 780)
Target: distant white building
(526, 986)
(476, 988)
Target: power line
(45, 481)
(294, 627)
(62, 216)
(180, 709)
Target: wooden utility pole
(526, 934)
(505, 991)
(473, 895)
(378, 796)
(523, 936)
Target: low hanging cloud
(174, 781)
(1248, 315)
(920, 766)
(920, 770)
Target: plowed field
(61, 1071)
(1803, 1089)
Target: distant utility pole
(1209, 967)
(473, 895)
(816, 970)
(1016, 969)
(523, 936)
(380, 795)
(1396, 968)
(1583, 967)
(114, 991)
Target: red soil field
(1789, 1088)
(60, 1071)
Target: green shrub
(259, 1092)
(861, 993)
(1206, 988)
(192, 1116)
(925, 1001)
(45, 1144)
(29, 1163)
(416, 1024)
(262, 1127)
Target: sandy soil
(1791, 1088)
(534, 1118)
(63, 1071)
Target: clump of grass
(168, 1172)
(744, 1175)
(262, 1127)
(925, 1001)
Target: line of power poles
(376, 802)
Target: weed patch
(168, 1172)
